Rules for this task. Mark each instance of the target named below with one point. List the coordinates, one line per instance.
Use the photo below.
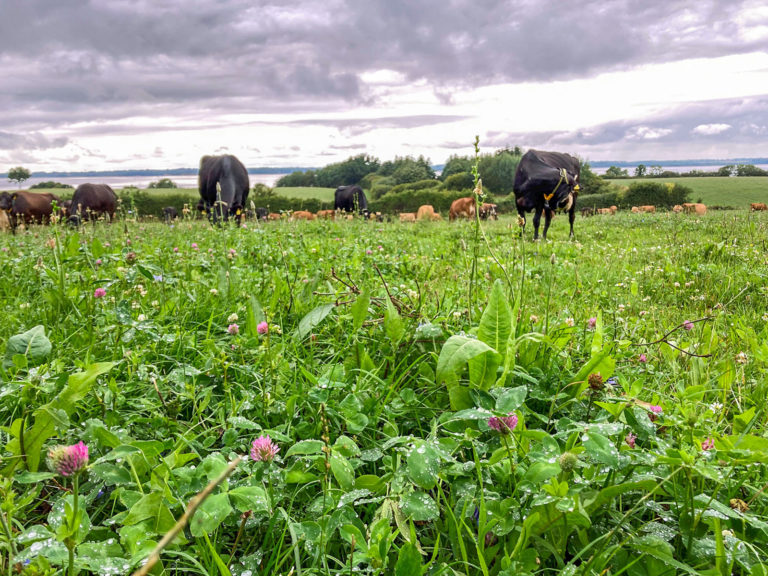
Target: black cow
(170, 213)
(27, 207)
(546, 182)
(347, 198)
(261, 213)
(92, 200)
(224, 185)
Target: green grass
(716, 190)
(305, 192)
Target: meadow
(715, 190)
(408, 398)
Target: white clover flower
(570, 322)
(232, 318)
(715, 407)
(214, 291)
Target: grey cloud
(672, 133)
(33, 141)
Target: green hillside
(716, 190)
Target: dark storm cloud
(715, 125)
(102, 57)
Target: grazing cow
(349, 198)
(407, 217)
(27, 207)
(302, 215)
(586, 212)
(327, 214)
(425, 212)
(758, 207)
(261, 213)
(92, 200)
(274, 216)
(642, 209)
(488, 211)
(224, 185)
(546, 182)
(436, 217)
(677, 208)
(170, 213)
(462, 208)
(602, 211)
(695, 208)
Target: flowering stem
(74, 526)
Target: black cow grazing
(224, 186)
(546, 182)
(347, 198)
(92, 200)
(27, 207)
(170, 213)
(261, 213)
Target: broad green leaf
(210, 514)
(408, 561)
(32, 344)
(359, 309)
(246, 498)
(511, 399)
(342, 471)
(455, 354)
(305, 448)
(607, 494)
(538, 472)
(600, 448)
(423, 465)
(419, 506)
(312, 319)
(393, 324)
(496, 321)
(600, 362)
(152, 512)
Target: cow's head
(564, 194)
(6, 201)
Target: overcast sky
(118, 84)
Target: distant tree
(350, 171)
(655, 170)
(18, 174)
(163, 183)
(591, 183)
(640, 171)
(407, 169)
(616, 172)
(456, 165)
(297, 179)
(49, 184)
(262, 191)
(727, 170)
(498, 171)
(749, 170)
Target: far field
(719, 191)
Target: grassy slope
(722, 191)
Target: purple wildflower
(708, 444)
(233, 329)
(68, 460)
(688, 325)
(263, 449)
(591, 323)
(262, 328)
(503, 424)
(642, 358)
(99, 293)
(630, 440)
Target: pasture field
(307, 192)
(737, 193)
(437, 400)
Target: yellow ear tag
(238, 212)
(576, 188)
(548, 197)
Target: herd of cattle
(545, 183)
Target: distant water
(138, 181)
(679, 169)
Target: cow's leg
(571, 218)
(547, 221)
(536, 221)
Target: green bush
(49, 184)
(655, 193)
(459, 181)
(415, 186)
(409, 201)
(163, 183)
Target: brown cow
(758, 207)
(425, 212)
(677, 208)
(407, 217)
(604, 211)
(327, 214)
(27, 207)
(302, 215)
(436, 217)
(488, 211)
(462, 208)
(641, 209)
(613, 209)
(273, 216)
